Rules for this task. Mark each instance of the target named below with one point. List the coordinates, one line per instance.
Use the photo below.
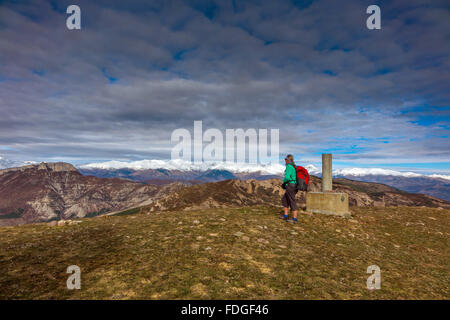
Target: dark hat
(289, 157)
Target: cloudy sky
(137, 70)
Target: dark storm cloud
(137, 71)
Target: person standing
(290, 185)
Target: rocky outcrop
(57, 167)
(53, 166)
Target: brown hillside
(55, 191)
(48, 192)
(236, 193)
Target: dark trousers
(288, 199)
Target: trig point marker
(327, 175)
(327, 201)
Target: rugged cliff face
(53, 191)
(53, 166)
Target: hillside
(237, 193)
(244, 253)
(54, 191)
(57, 191)
(436, 187)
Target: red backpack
(302, 177)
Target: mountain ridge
(270, 169)
(237, 193)
(414, 183)
(55, 191)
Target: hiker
(290, 185)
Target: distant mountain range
(165, 175)
(436, 187)
(266, 169)
(159, 171)
(55, 191)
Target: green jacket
(289, 174)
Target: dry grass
(245, 253)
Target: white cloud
(8, 163)
(261, 66)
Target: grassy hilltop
(245, 253)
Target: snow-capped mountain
(383, 172)
(166, 171)
(269, 169)
(181, 165)
(175, 170)
(436, 185)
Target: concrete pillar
(327, 176)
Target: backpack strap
(295, 168)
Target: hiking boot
(282, 216)
(292, 220)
